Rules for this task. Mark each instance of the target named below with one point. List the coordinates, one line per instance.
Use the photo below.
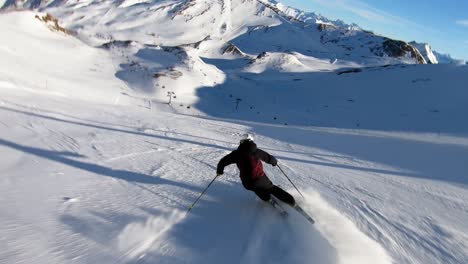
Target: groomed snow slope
(89, 179)
(41, 60)
(114, 188)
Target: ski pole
(290, 180)
(190, 208)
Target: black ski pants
(279, 193)
(264, 188)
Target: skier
(248, 159)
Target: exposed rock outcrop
(117, 44)
(53, 24)
(398, 48)
(233, 49)
(322, 27)
(426, 51)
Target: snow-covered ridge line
(433, 57)
(282, 11)
(309, 17)
(185, 22)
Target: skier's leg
(283, 195)
(262, 188)
(263, 194)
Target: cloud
(463, 22)
(368, 12)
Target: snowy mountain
(175, 23)
(98, 167)
(188, 34)
(446, 58)
(426, 50)
(434, 57)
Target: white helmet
(246, 137)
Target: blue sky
(441, 23)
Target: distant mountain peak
(251, 26)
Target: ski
(282, 211)
(278, 207)
(303, 213)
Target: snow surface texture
(97, 168)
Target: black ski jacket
(248, 159)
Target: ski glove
(273, 161)
(218, 174)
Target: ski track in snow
(145, 221)
(150, 236)
(102, 208)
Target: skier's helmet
(246, 137)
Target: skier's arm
(263, 155)
(226, 161)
